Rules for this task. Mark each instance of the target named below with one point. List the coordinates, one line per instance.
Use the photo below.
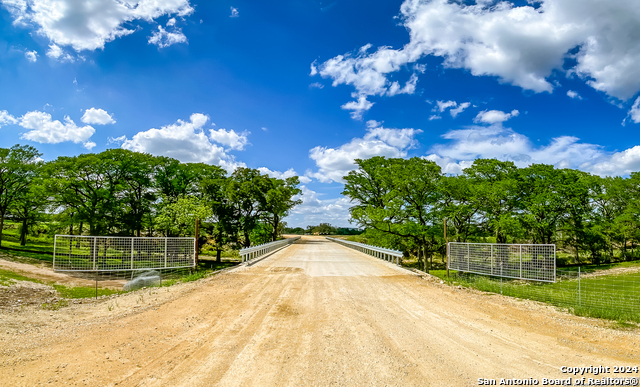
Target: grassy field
(614, 297)
(39, 250)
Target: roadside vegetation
(612, 296)
(123, 193)
(404, 203)
(323, 229)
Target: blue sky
(305, 87)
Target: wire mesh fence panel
(614, 296)
(519, 261)
(89, 253)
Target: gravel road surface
(313, 314)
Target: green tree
(494, 185)
(29, 205)
(224, 225)
(87, 186)
(18, 166)
(174, 179)
(459, 205)
(542, 203)
(135, 195)
(179, 217)
(246, 194)
(280, 198)
(398, 197)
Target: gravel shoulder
(315, 313)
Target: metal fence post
(520, 261)
(94, 248)
(132, 241)
(165, 251)
(491, 259)
(579, 290)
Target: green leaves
(407, 199)
(179, 217)
(18, 167)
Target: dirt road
(313, 314)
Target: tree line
(323, 229)
(120, 192)
(403, 204)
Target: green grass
(83, 291)
(604, 266)
(27, 257)
(55, 305)
(196, 275)
(7, 278)
(613, 297)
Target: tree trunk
(1, 227)
(274, 236)
(247, 241)
(23, 232)
(218, 255)
(424, 257)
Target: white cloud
(230, 138)
(619, 163)
(283, 175)
(32, 56)
(501, 143)
(163, 38)
(367, 72)
(88, 25)
(185, 141)
(97, 117)
(455, 109)
(334, 163)
(171, 22)
(358, 107)
(315, 210)
(634, 113)
(434, 117)
(409, 87)
(449, 165)
(316, 85)
(466, 145)
(7, 119)
(444, 105)
(494, 116)
(89, 145)
(459, 109)
(55, 52)
(521, 45)
(116, 140)
(573, 94)
(234, 12)
(44, 130)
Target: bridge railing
(378, 252)
(253, 252)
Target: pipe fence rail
(517, 261)
(108, 254)
(378, 252)
(253, 252)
